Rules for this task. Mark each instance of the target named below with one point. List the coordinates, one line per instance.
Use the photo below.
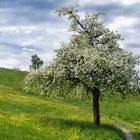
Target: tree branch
(79, 81)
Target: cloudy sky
(30, 27)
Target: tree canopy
(36, 62)
(92, 59)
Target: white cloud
(17, 29)
(105, 2)
(125, 26)
(100, 2)
(128, 2)
(9, 62)
(43, 38)
(28, 50)
(121, 22)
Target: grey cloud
(32, 4)
(40, 14)
(113, 10)
(28, 11)
(27, 17)
(18, 49)
(132, 45)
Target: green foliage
(36, 63)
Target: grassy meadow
(12, 78)
(31, 117)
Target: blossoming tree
(92, 59)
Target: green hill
(12, 78)
(32, 117)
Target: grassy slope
(37, 115)
(123, 112)
(126, 112)
(12, 78)
(25, 117)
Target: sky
(30, 27)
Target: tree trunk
(96, 112)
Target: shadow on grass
(79, 124)
(136, 135)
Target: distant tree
(92, 59)
(36, 62)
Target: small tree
(92, 59)
(36, 62)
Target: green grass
(24, 116)
(12, 78)
(126, 113)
